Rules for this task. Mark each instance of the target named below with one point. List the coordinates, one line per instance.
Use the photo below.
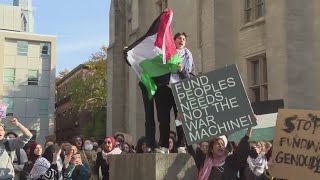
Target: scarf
(257, 165)
(187, 62)
(186, 58)
(114, 151)
(207, 167)
(40, 168)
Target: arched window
(45, 49)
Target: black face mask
(253, 153)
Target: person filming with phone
(73, 166)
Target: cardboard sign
(3, 111)
(213, 104)
(296, 145)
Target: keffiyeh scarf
(257, 165)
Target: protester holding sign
(164, 98)
(218, 164)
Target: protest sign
(213, 104)
(296, 145)
(3, 111)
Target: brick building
(69, 121)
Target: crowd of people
(87, 159)
(83, 159)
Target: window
(43, 106)
(258, 85)
(23, 22)
(260, 8)
(33, 77)
(9, 76)
(10, 108)
(248, 10)
(253, 9)
(44, 49)
(22, 48)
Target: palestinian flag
(266, 114)
(154, 54)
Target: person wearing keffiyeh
(257, 164)
(109, 147)
(164, 98)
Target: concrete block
(152, 167)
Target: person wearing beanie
(218, 164)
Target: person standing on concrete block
(164, 98)
(148, 104)
(150, 125)
(218, 164)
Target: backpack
(9, 151)
(25, 173)
(27, 166)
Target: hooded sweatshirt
(6, 166)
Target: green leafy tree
(89, 93)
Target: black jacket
(232, 165)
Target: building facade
(27, 66)
(275, 45)
(17, 17)
(27, 80)
(69, 121)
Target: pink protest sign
(3, 110)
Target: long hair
(49, 152)
(142, 140)
(174, 147)
(74, 141)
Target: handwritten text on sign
(213, 104)
(296, 145)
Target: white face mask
(88, 147)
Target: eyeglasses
(107, 142)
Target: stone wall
(152, 167)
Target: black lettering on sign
(312, 162)
(295, 124)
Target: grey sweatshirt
(6, 166)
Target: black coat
(104, 166)
(232, 165)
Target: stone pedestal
(152, 167)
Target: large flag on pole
(154, 54)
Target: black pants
(150, 126)
(164, 103)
